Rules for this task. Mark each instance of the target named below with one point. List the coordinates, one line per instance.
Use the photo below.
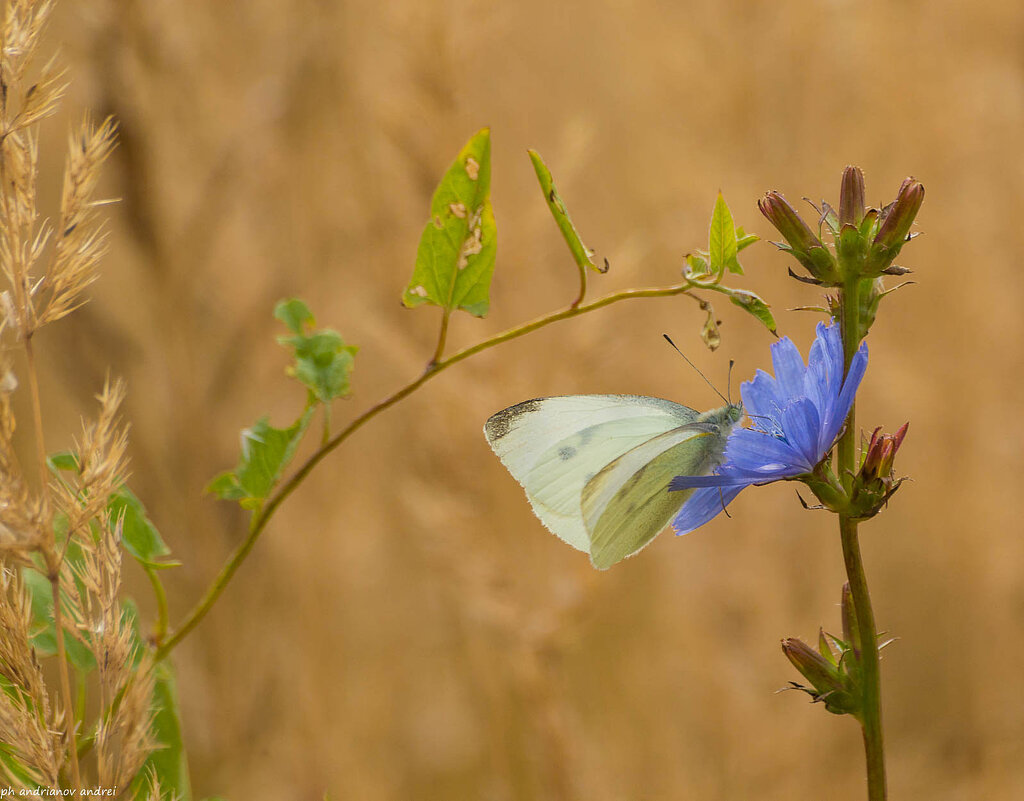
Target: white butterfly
(596, 468)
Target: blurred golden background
(407, 629)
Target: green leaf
(62, 460)
(323, 362)
(697, 266)
(169, 762)
(266, 451)
(44, 636)
(744, 240)
(455, 259)
(753, 304)
(10, 767)
(294, 314)
(722, 240)
(581, 254)
(140, 537)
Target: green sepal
(870, 294)
(851, 250)
(832, 496)
(870, 224)
(455, 258)
(821, 264)
(825, 647)
(266, 451)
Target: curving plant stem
(437, 365)
(871, 713)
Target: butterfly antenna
(721, 500)
(719, 394)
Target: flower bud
(800, 240)
(790, 224)
(831, 682)
(881, 453)
(897, 218)
(851, 197)
(875, 484)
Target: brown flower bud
(800, 240)
(899, 217)
(851, 197)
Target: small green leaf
(62, 460)
(697, 266)
(744, 240)
(40, 595)
(851, 249)
(294, 314)
(455, 259)
(140, 537)
(581, 254)
(323, 363)
(225, 486)
(753, 304)
(722, 240)
(266, 451)
(169, 762)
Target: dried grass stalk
(34, 731)
(30, 726)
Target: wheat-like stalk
(29, 724)
(47, 268)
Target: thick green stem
(259, 520)
(871, 717)
(871, 714)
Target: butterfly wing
(627, 504)
(554, 446)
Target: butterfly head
(724, 419)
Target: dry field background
(406, 629)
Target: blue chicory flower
(797, 415)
